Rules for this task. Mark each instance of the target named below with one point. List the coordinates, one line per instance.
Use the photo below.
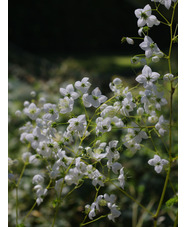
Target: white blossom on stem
(158, 163)
(144, 17)
(147, 78)
(83, 85)
(166, 3)
(95, 99)
(32, 111)
(150, 48)
(69, 92)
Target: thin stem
(164, 23)
(163, 192)
(170, 125)
(17, 198)
(176, 220)
(153, 143)
(83, 224)
(162, 15)
(29, 212)
(18, 182)
(134, 200)
(155, 222)
(61, 189)
(16, 205)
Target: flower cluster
(74, 147)
(74, 162)
(101, 201)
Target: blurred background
(52, 43)
(46, 38)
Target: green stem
(21, 175)
(17, 186)
(155, 222)
(134, 200)
(29, 212)
(163, 193)
(61, 189)
(168, 23)
(170, 124)
(103, 216)
(176, 220)
(16, 205)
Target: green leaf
(20, 225)
(172, 201)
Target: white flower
(129, 41)
(127, 106)
(86, 101)
(115, 121)
(166, 3)
(161, 125)
(168, 77)
(35, 137)
(83, 85)
(147, 77)
(121, 178)
(140, 111)
(58, 186)
(37, 179)
(40, 191)
(25, 156)
(39, 200)
(97, 152)
(66, 105)
(18, 113)
(26, 103)
(77, 124)
(95, 99)
(43, 149)
(51, 112)
(153, 117)
(32, 111)
(103, 200)
(132, 145)
(150, 48)
(116, 84)
(115, 167)
(32, 159)
(110, 199)
(158, 99)
(69, 92)
(73, 176)
(92, 213)
(114, 212)
(42, 100)
(155, 59)
(112, 153)
(109, 111)
(158, 163)
(144, 17)
(98, 178)
(103, 125)
(136, 133)
(33, 93)
(140, 31)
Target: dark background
(67, 27)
